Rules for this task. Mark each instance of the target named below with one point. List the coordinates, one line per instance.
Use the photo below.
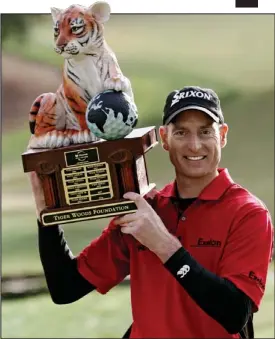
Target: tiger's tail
(42, 116)
(34, 111)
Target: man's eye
(179, 133)
(206, 132)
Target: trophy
(84, 145)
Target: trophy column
(88, 181)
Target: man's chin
(195, 173)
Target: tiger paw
(53, 139)
(80, 137)
(118, 83)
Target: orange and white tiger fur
(90, 66)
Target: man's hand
(38, 193)
(147, 227)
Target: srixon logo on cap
(188, 94)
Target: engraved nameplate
(87, 183)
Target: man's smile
(195, 158)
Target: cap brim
(195, 107)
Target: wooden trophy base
(88, 181)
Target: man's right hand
(38, 193)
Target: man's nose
(194, 144)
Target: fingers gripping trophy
(84, 150)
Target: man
(197, 251)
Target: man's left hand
(147, 227)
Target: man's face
(194, 143)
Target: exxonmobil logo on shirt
(207, 243)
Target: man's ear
(163, 133)
(223, 134)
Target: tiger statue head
(78, 30)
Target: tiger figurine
(90, 67)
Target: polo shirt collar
(213, 191)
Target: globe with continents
(111, 115)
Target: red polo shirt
(227, 230)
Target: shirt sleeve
(105, 261)
(248, 252)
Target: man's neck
(192, 187)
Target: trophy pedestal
(87, 181)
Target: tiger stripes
(90, 66)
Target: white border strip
(142, 6)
